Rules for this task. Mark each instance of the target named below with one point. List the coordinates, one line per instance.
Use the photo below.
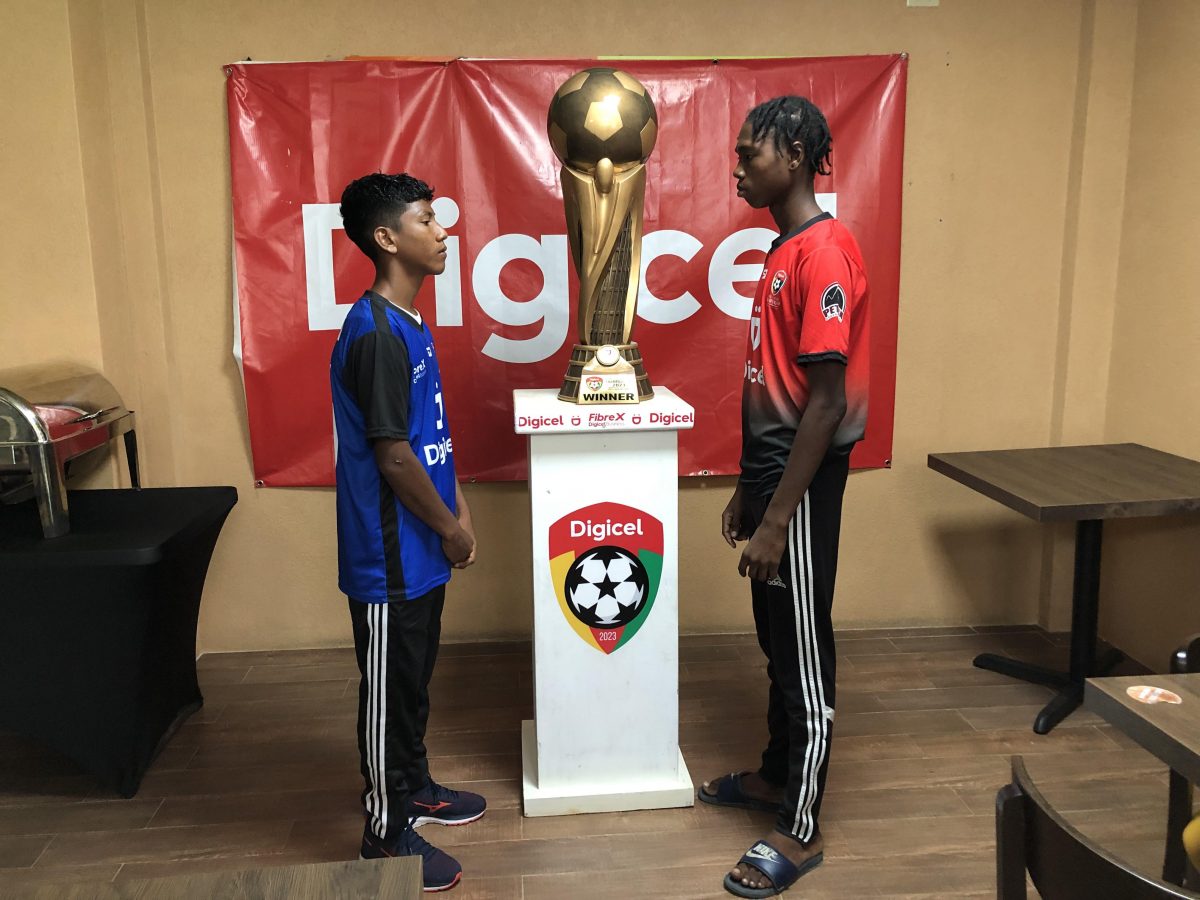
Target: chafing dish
(57, 423)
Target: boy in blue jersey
(402, 520)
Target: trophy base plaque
(609, 373)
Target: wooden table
(398, 878)
(1084, 485)
(1171, 731)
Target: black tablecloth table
(98, 628)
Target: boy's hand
(459, 546)
(760, 559)
(465, 522)
(731, 519)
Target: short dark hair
(794, 119)
(375, 200)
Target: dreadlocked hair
(375, 200)
(794, 119)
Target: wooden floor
(267, 774)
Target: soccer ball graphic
(606, 587)
(602, 113)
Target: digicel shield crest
(606, 565)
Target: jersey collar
(417, 320)
(784, 238)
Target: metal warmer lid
(56, 422)
(57, 404)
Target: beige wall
(47, 299)
(123, 201)
(1151, 588)
(1018, 117)
(1091, 248)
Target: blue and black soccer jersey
(386, 384)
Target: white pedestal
(604, 487)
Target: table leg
(1085, 611)
(1014, 668)
(1085, 600)
(1065, 702)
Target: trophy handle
(571, 208)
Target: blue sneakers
(442, 806)
(441, 870)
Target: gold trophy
(602, 126)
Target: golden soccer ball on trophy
(602, 114)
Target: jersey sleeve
(378, 375)
(824, 287)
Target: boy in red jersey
(804, 406)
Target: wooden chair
(1179, 795)
(1063, 864)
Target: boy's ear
(795, 155)
(384, 239)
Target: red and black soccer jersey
(810, 306)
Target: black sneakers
(442, 806)
(441, 870)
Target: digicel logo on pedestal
(672, 418)
(600, 530)
(535, 422)
(606, 565)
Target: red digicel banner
(503, 312)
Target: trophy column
(603, 481)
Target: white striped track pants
(396, 645)
(795, 631)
